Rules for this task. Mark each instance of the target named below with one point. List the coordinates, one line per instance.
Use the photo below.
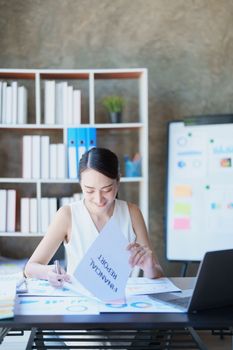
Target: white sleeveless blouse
(84, 231)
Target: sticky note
(183, 191)
(182, 209)
(182, 224)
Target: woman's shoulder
(131, 207)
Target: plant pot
(115, 117)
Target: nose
(98, 197)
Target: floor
(212, 342)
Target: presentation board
(199, 208)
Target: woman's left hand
(143, 257)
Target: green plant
(114, 103)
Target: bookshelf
(131, 134)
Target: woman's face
(99, 190)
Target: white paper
(104, 270)
(142, 303)
(55, 306)
(142, 285)
(39, 287)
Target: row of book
(79, 140)
(29, 218)
(13, 103)
(62, 103)
(11, 273)
(8, 210)
(7, 298)
(42, 159)
(48, 208)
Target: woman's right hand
(57, 280)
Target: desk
(209, 319)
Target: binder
(3, 206)
(60, 161)
(14, 108)
(36, 157)
(27, 157)
(44, 210)
(81, 143)
(52, 208)
(76, 107)
(0, 101)
(33, 215)
(24, 215)
(91, 138)
(72, 153)
(22, 108)
(11, 210)
(44, 157)
(53, 161)
(49, 106)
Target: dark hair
(102, 160)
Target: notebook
(213, 286)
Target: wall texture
(186, 45)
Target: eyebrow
(101, 187)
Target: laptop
(213, 286)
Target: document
(55, 306)
(39, 287)
(141, 303)
(105, 268)
(142, 285)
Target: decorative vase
(115, 117)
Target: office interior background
(187, 46)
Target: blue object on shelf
(133, 167)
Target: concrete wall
(186, 45)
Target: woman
(78, 224)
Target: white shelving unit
(136, 122)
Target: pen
(57, 267)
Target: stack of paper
(7, 298)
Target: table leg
(197, 339)
(3, 333)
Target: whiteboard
(199, 208)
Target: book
(33, 215)
(44, 157)
(81, 142)
(7, 298)
(14, 87)
(52, 208)
(58, 104)
(22, 109)
(3, 206)
(72, 153)
(60, 161)
(24, 215)
(11, 210)
(27, 157)
(53, 161)
(4, 86)
(8, 112)
(44, 210)
(76, 107)
(35, 157)
(90, 138)
(49, 106)
(69, 117)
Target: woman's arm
(142, 254)
(58, 231)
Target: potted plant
(114, 106)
